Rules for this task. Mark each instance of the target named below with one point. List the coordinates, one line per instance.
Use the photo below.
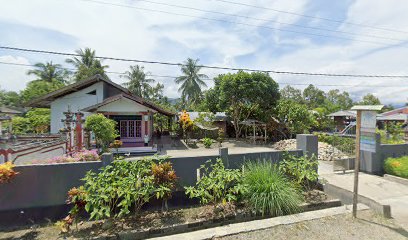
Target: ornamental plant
(207, 142)
(103, 128)
(116, 145)
(165, 179)
(302, 170)
(6, 172)
(76, 197)
(186, 124)
(268, 191)
(217, 184)
(124, 185)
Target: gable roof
(396, 111)
(8, 110)
(133, 98)
(44, 101)
(343, 113)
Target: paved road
(374, 187)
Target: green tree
(191, 81)
(87, 64)
(370, 99)
(342, 101)
(243, 95)
(37, 120)
(313, 96)
(103, 128)
(37, 89)
(138, 83)
(297, 117)
(291, 93)
(10, 98)
(49, 72)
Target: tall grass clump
(269, 191)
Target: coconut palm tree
(49, 72)
(191, 81)
(138, 83)
(87, 64)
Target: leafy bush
(221, 136)
(268, 191)
(391, 138)
(207, 142)
(6, 172)
(397, 166)
(344, 144)
(302, 170)
(164, 179)
(103, 128)
(217, 184)
(123, 184)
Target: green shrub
(344, 144)
(397, 166)
(216, 184)
(302, 170)
(121, 185)
(207, 142)
(268, 191)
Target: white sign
(367, 134)
(368, 121)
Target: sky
(363, 37)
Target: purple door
(130, 130)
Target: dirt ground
(147, 220)
(368, 226)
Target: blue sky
(139, 34)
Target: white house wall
(77, 101)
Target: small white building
(133, 114)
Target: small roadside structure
(343, 118)
(6, 115)
(255, 125)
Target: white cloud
(137, 34)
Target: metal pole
(357, 163)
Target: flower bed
(82, 156)
(397, 166)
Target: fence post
(106, 158)
(308, 143)
(223, 152)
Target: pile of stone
(326, 151)
(285, 145)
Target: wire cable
(238, 23)
(259, 19)
(210, 79)
(311, 17)
(206, 66)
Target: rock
(326, 151)
(107, 224)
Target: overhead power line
(210, 79)
(238, 23)
(261, 19)
(206, 66)
(312, 17)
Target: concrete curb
(256, 225)
(396, 179)
(346, 197)
(210, 223)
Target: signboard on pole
(367, 134)
(365, 140)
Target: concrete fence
(374, 162)
(40, 187)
